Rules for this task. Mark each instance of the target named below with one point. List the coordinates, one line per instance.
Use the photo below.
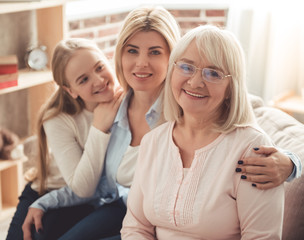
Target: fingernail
(40, 230)
(243, 177)
(238, 169)
(240, 162)
(256, 149)
(254, 185)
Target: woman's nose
(196, 80)
(98, 79)
(142, 61)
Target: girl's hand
(266, 171)
(104, 113)
(34, 216)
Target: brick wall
(104, 29)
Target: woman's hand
(266, 171)
(33, 217)
(104, 113)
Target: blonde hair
(222, 49)
(60, 101)
(145, 19)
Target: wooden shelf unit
(51, 28)
(11, 185)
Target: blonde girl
(73, 124)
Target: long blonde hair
(60, 101)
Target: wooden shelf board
(28, 78)
(5, 164)
(6, 7)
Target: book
(8, 60)
(8, 68)
(8, 71)
(8, 80)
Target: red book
(8, 80)
(8, 68)
(8, 64)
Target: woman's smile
(192, 94)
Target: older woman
(185, 186)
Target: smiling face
(90, 78)
(145, 59)
(195, 95)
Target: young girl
(74, 125)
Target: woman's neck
(139, 105)
(142, 101)
(195, 126)
(190, 135)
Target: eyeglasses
(208, 74)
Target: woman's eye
(132, 51)
(84, 80)
(186, 68)
(99, 68)
(155, 52)
(214, 74)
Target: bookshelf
(11, 185)
(51, 28)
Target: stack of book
(8, 71)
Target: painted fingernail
(240, 162)
(254, 185)
(238, 169)
(243, 177)
(40, 230)
(256, 149)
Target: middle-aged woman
(185, 186)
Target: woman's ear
(70, 91)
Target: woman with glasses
(185, 186)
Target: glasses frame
(221, 74)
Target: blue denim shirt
(108, 190)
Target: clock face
(37, 59)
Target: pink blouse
(210, 201)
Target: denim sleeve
(62, 197)
(297, 165)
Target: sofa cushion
(287, 133)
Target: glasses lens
(212, 75)
(185, 68)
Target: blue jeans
(27, 197)
(55, 222)
(104, 222)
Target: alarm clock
(36, 58)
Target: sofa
(287, 133)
